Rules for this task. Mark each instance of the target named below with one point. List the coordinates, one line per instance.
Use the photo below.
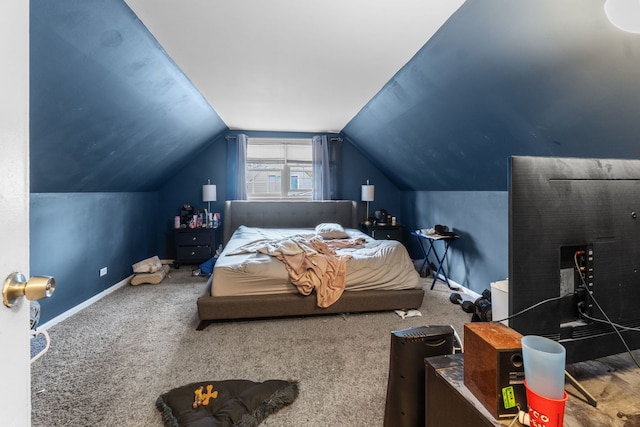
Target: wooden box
(493, 367)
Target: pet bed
(230, 403)
(152, 278)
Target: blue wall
(356, 169)
(503, 78)
(74, 235)
(185, 187)
(480, 218)
(110, 111)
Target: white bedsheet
(378, 264)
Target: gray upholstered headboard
(274, 214)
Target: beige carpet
(109, 363)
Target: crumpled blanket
(312, 263)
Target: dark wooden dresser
(384, 232)
(194, 245)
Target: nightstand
(194, 245)
(384, 232)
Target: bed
(247, 283)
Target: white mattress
(378, 264)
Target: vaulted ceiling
(287, 65)
(124, 93)
(503, 78)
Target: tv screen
(574, 252)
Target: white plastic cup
(544, 364)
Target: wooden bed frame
(296, 215)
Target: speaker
(406, 386)
(493, 367)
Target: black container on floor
(406, 388)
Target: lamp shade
(209, 193)
(367, 193)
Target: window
(279, 168)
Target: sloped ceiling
(290, 65)
(111, 111)
(503, 78)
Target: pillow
(237, 403)
(330, 230)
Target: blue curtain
(236, 165)
(326, 162)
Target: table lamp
(367, 196)
(209, 194)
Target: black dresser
(194, 245)
(384, 232)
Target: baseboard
(417, 263)
(460, 289)
(84, 304)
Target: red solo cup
(545, 412)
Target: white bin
(500, 300)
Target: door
(15, 386)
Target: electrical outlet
(103, 271)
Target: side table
(431, 239)
(383, 232)
(194, 245)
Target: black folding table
(432, 239)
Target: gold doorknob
(16, 285)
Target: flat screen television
(574, 252)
